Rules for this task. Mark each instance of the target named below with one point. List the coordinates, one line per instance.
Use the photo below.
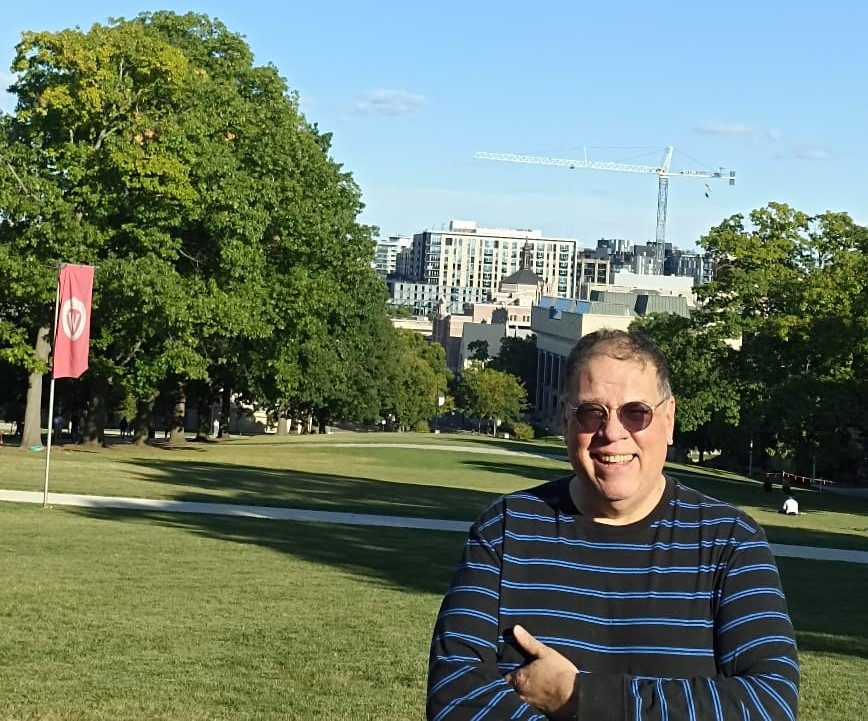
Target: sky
(776, 90)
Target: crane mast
(662, 172)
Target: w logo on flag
(73, 318)
(72, 328)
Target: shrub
(421, 427)
(522, 431)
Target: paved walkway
(358, 519)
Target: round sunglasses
(635, 416)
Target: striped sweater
(679, 616)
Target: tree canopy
(488, 394)
(228, 254)
(776, 356)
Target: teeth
(616, 459)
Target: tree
(485, 393)
(418, 379)
(518, 356)
(479, 351)
(792, 289)
(221, 229)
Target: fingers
(527, 642)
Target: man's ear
(670, 421)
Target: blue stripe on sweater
(671, 595)
(638, 570)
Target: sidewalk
(355, 519)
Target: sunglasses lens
(635, 416)
(591, 417)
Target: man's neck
(613, 513)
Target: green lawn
(115, 615)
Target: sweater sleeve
(464, 680)
(758, 671)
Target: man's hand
(549, 681)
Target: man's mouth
(614, 458)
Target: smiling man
(616, 592)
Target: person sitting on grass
(791, 507)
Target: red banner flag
(72, 326)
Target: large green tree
(518, 356)
(224, 236)
(414, 385)
(792, 289)
(488, 394)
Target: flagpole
(51, 392)
(48, 447)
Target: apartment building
(387, 251)
(464, 255)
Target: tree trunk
(143, 421)
(225, 410)
(32, 433)
(177, 434)
(282, 420)
(93, 427)
(203, 411)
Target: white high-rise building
(387, 252)
(468, 256)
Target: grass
(114, 615)
(140, 616)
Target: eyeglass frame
(617, 411)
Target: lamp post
(750, 460)
(441, 400)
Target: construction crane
(662, 172)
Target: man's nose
(613, 429)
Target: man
(616, 592)
(791, 506)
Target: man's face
(620, 472)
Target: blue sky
(777, 91)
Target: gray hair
(620, 345)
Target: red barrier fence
(801, 480)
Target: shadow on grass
(547, 450)
(785, 529)
(825, 599)
(415, 560)
(749, 492)
(533, 474)
(249, 485)
(407, 559)
(829, 614)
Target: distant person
(614, 592)
(122, 426)
(75, 428)
(216, 427)
(57, 425)
(791, 507)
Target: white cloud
(731, 129)
(390, 102)
(811, 153)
